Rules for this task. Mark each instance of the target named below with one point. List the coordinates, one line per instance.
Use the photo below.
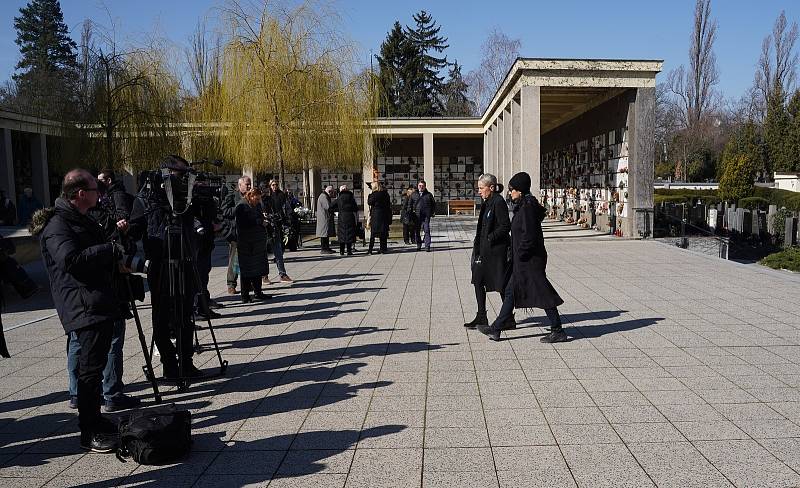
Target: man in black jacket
(112, 210)
(276, 204)
(425, 208)
(80, 263)
(229, 203)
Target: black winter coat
(251, 244)
(348, 216)
(424, 204)
(80, 264)
(492, 244)
(407, 215)
(532, 289)
(380, 212)
(230, 201)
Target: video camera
(181, 182)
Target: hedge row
(762, 197)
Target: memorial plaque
(790, 238)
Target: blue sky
(646, 29)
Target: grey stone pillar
(367, 168)
(641, 146)
(508, 149)
(427, 160)
(492, 149)
(314, 186)
(501, 145)
(7, 165)
(516, 146)
(39, 170)
(485, 151)
(530, 135)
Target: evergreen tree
(392, 67)
(743, 157)
(777, 126)
(794, 132)
(48, 67)
(456, 103)
(427, 83)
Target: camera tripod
(147, 367)
(179, 265)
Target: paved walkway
(683, 371)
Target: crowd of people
(94, 227)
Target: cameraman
(111, 213)
(206, 212)
(152, 214)
(80, 263)
(229, 204)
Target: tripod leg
(148, 363)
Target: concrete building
(787, 181)
(583, 129)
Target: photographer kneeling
(160, 220)
(80, 263)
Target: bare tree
(498, 53)
(693, 88)
(203, 56)
(777, 64)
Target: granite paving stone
(682, 370)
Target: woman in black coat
(348, 215)
(490, 264)
(380, 216)
(529, 286)
(251, 244)
(408, 217)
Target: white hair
(328, 188)
(343, 188)
(488, 179)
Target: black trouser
(164, 309)
(325, 243)
(95, 341)
(507, 310)
(480, 297)
(349, 247)
(382, 237)
(251, 284)
(408, 233)
(204, 251)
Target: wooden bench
(459, 206)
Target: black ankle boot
(510, 324)
(480, 319)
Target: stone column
(314, 187)
(530, 135)
(516, 143)
(508, 136)
(427, 160)
(641, 147)
(485, 151)
(367, 167)
(39, 170)
(491, 166)
(501, 146)
(7, 165)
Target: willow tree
(289, 98)
(130, 103)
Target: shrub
(661, 199)
(788, 259)
(754, 203)
(779, 224)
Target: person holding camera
(251, 244)
(276, 204)
(166, 226)
(490, 250)
(79, 261)
(111, 213)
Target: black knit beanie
(520, 182)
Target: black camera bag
(156, 435)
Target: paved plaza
(682, 371)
